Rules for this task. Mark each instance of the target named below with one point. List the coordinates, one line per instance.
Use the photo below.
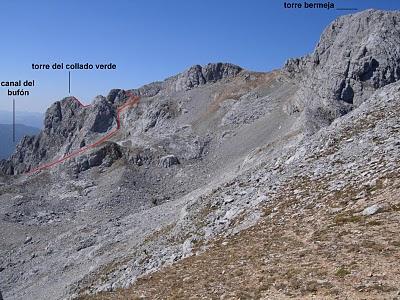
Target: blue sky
(149, 40)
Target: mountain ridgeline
(220, 183)
(354, 57)
(68, 126)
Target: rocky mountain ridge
(332, 202)
(355, 55)
(68, 125)
(212, 164)
(339, 75)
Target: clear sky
(149, 40)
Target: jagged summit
(198, 75)
(67, 125)
(194, 76)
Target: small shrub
(344, 219)
(342, 272)
(396, 243)
(395, 207)
(374, 223)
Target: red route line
(131, 101)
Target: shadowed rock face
(105, 155)
(168, 161)
(102, 116)
(356, 55)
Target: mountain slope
(329, 229)
(220, 162)
(6, 132)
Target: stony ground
(80, 218)
(333, 257)
(328, 231)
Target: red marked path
(130, 102)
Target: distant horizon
(32, 119)
(22, 111)
(150, 41)
(20, 124)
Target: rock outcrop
(198, 75)
(169, 160)
(193, 77)
(68, 126)
(105, 155)
(62, 120)
(356, 55)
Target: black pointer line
(13, 120)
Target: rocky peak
(193, 77)
(58, 116)
(118, 96)
(102, 115)
(198, 75)
(356, 54)
(67, 123)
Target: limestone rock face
(59, 116)
(356, 55)
(198, 75)
(69, 126)
(102, 117)
(66, 125)
(118, 96)
(62, 120)
(106, 155)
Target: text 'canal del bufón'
(19, 84)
